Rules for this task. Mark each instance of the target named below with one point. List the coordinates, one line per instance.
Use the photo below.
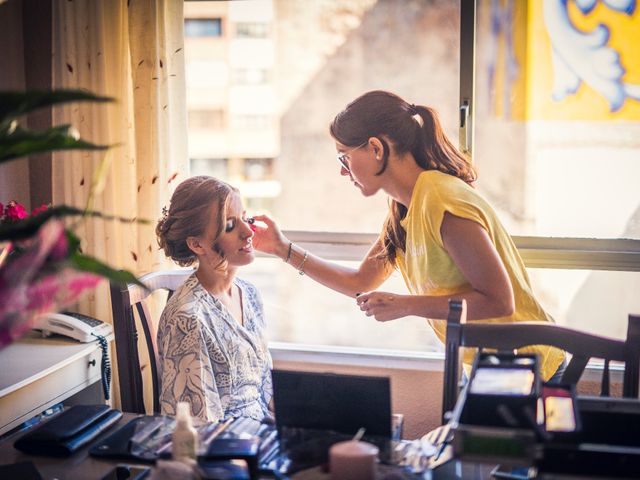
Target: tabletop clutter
(501, 396)
(182, 448)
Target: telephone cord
(105, 365)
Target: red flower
(15, 211)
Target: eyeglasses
(343, 157)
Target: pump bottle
(185, 437)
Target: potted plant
(42, 268)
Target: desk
(81, 466)
(39, 372)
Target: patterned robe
(206, 358)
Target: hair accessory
(413, 111)
(165, 212)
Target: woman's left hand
(383, 306)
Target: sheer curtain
(131, 50)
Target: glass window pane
(558, 116)
(300, 310)
(213, 119)
(280, 72)
(202, 27)
(304, 62)
(252, 29)
(595, 301)
(216, 167)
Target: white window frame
(537, 252)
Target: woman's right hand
(269, 239)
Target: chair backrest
(124, 299)
(508, 337)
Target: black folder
(68, 431)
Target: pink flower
(61, 247)
(1, 211)
(20, 303)
(39, 209)
(15, 211)
(41, 294)
(80, 282)
(25, 267)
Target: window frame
(537, 252)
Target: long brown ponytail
(410, 128)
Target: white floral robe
(206, 358)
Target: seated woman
(211, 337)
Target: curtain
(131, 50)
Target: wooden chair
(124, 300)
(508, 337)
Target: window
(250, 122)
(556, 140)
(205, 75)
(567, 161)
(216, 167)
(252, 30)
(213, 119)
(305, 312)
(250, 76)
(258, 168)
(324, 54)
(550, 167)
(202, 27)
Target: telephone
(84, 329)
(75, 325)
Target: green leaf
(28, 227)
(15, 104)
(73, 242)
(86, 263)
(22, 142)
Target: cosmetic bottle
(185, 437)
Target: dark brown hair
(389, 118)
(188, 216)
